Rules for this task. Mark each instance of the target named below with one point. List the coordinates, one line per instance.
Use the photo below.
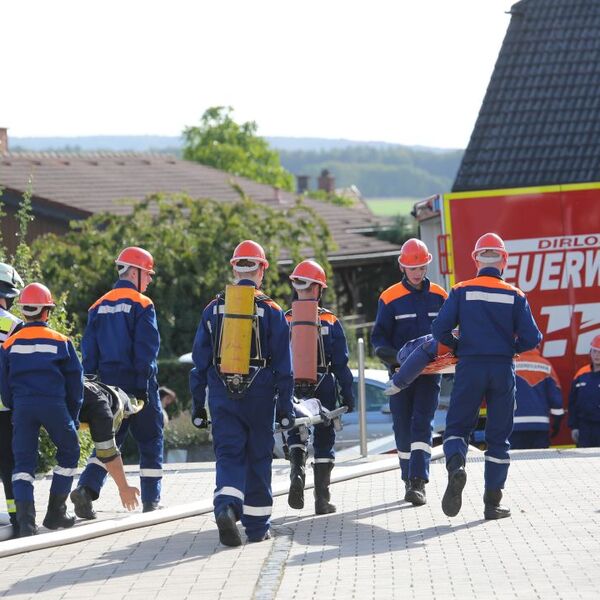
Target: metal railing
(362, 399)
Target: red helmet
(310, 272)
(249, 250)
(414, 253)
(489, 241)
(35, 295)
(136, 257)
(595, 345)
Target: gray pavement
(375, 546)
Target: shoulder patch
(35, 333)
(434, 288)
(328, 317)
(489, 282)
(393, 293)
(585, 369)
(123, 294)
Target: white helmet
(10, 281)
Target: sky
(404, 71)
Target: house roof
(95, 182)
(539, 123)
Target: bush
(180, 433)
(47, 450)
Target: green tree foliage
(222, 143)
(380, 172)
(191, 241)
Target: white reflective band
(531, 420)
(454, 437)
(230, 491)
(260, 311)
(324, 460)
(94, 461)
(297, 446)
(407, 316)
(404, 455)
(257, 511)
(151, 472)
(432, 314)
(420, 446)
(557, 411)
(491, 297)
(325, 330)
(65, 471)
(11, 507)
(533, 366)
(220, 309)
(23, 477)
(33, 348)
(117, 308)
(209, 326)
(106, 445)
(580, 384)
(500, 461)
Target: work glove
(200, 418)
(286, 420)
(575, 435)
(391, 388)
(349, 403)
(388, 356)
(556, 421)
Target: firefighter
(495, 323)
(539, 400)
(584, 401)
(242, 405)
(309, 281)
(405, 312)
(104, 408)
(10, 285)
(42, 383)
(120, 345)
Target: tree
(191, 241)
(222, 143)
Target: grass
(390, 207)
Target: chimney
(326, 182)
(302, 183)
(3, 141)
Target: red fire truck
(553, 237)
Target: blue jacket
(538, 393)
(40, 363)
(121, 341)
(405, 313)
(336, 350)
(584, 398)
(493, 316)
(275, 379)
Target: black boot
(26, 518)
(151, 506)
(15, 524)
(229, 534)
(82, 498)
(322, 495)
(57, 516)
(492, 509)
(457, 479)
(406, 490)
(297, 477)
(416, 492)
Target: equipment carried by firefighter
(310, 411)
(305, 341)
(239, 329)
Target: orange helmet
(307, 272)
(249, 250)
(33, 298)
(135, 257)
(493, 242)
(414, 253)
(595, 345)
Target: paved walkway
(375, 546)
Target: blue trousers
(529, 439)
(29, 414)
(243, 441)
(478, 378)
(412, 414)
(323, 436)
(146, 427)
(589, 434)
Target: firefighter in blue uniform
(120, 345)
(405, 312)
(10, 285)
(495, 323)
(539, 401)
(309, 281)
(242, 408)
(42, 383)
(584, 401)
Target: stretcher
(309, 412)
(443, 364)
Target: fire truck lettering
(572, 271)
(592, 268)
(552, 264)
